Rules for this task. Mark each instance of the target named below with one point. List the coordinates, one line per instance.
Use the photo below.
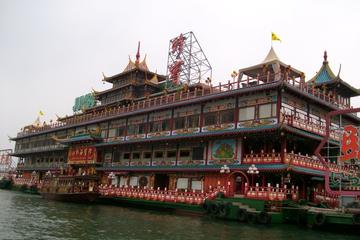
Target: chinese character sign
(350, 146)
(84, 102)
(5, 159)
(82, 155)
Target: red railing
(187, 95)
(262, 158)
(332, 200)
(24, 181)
(270, 193)
(175, 196)
(314, 163)
(306, 161)
(307, 123)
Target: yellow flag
(274, 37)
(41, 113)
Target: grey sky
(54, 51)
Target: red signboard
(350, 146)
(82, 155)
(5, 159)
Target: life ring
(263, 218)
(214, 208)
(224, 209)
(251, 218)
(319, 219)
(356, 218)
(242, 215)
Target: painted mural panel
(257, 99)
(219, 105)
(294, 101)
(225, 151)
(218, 127)
(258, 123)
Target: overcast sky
(53, 51)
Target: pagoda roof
(134, 66)
(326, 77)
(270, 59)
(87, 137)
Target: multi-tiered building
(256, 132)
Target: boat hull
(71, 197)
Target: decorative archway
(242, 174)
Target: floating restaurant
(180, 138)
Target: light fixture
(225, 169)
(111, 175)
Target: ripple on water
(30, 217)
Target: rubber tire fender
(356, 219)
(214, 208)
(319, 219)
(251, 218)
(241, 215)
(224, 209)
(263, 218)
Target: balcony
(262, 158)
(39, 149)
(307, 123)
(150, 194)
(270, 193)
(41, 166)
(297, 160)
(178, 97)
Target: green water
(26, 216)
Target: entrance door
(238, 185)
(161, 181)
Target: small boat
(65, 188)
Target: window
(196, 185)
(180, 123)
(184, 153)
(247, 113)
(171, 154)
(265, 111)
(131, 130)
(112, 133)
(123, 181)
(134, 181)
(198, 153)
(210, 118)
(147, 155)
(116, 156)
(159, 154)
(182, 183)
(120, 131)
(136, 155)
(227, 116)
(159, 126)
(155, 126)
(126, 156)
(141, 128)
(136, 129)
(104, 133)
(193, 121)
(274, 108)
